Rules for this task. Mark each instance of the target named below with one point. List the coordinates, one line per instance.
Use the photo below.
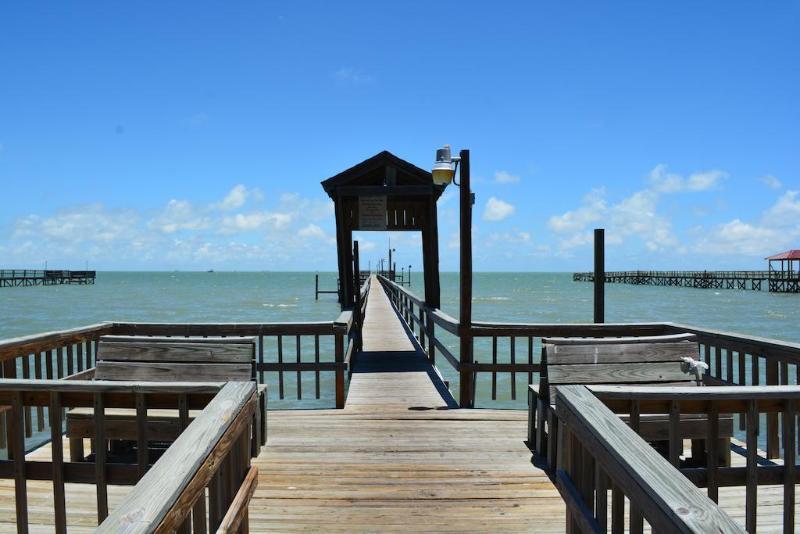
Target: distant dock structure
(32, 277)
(782, 276)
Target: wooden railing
(598, 454)
(215, 443)
(753, 403)
(514, 350)
(302, 360)
(737, 359)
(204, 479)
(494, 348)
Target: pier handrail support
(466, 377)
(590, 434)
(165, 496)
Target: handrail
(666, 499)
(166, 493)
(36, 342)
(710, 403)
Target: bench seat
(165, 359)
(651, 361)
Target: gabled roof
(793, 254)
(370, 172)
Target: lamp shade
(443, 170)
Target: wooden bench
(650, 361)
(165, 359)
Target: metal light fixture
(444, 170)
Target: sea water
(289, 296)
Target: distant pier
(774, 281)
(30, 277)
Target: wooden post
(599, 275)
(465, 278)
(339, 357)
(357, 295)
(316, 286)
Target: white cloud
(179, 215)
(593, 210)
(312, 230)
(81, 224)
(497, 210)
(504, 177)
(785, 212)
(181, 234)
(244, 222)
(771, 182)
(777, 229)
(235, 198)
(665, 182)
(516, 236)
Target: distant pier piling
(31, 277)
(752, 280)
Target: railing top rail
(107, 386)
(228, 329)
(31, 342)
(345, 320)
(684, 393)
(737, 337)
(667, 499)
(149, 502)
(415, 298)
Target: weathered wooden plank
(184, 469)
(237, 511)
(57, 473)
(100, 447)
(16, 444)
(620, 353)
(143, 350)
(615, 373)
(668, 502)
(172, 372)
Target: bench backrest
(653, 361)
(168, 359)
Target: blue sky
(194, 135)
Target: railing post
(422, 326)
(599, 275)
(465, 275)
(339, 341)
(431, 334)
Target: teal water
(271, 296)
(279, 296)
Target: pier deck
(398, 457)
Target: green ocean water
(285, 296)
(289, 296)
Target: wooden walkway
(397, 458)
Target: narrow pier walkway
(398, 458)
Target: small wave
(281, 305)
(490, 299)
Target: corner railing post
(466, 375)
(339, 341)
(431, 334)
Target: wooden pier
(753, 280)
(30, 277)
(399, 454)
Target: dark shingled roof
(407, 173)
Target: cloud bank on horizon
(243, 230)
